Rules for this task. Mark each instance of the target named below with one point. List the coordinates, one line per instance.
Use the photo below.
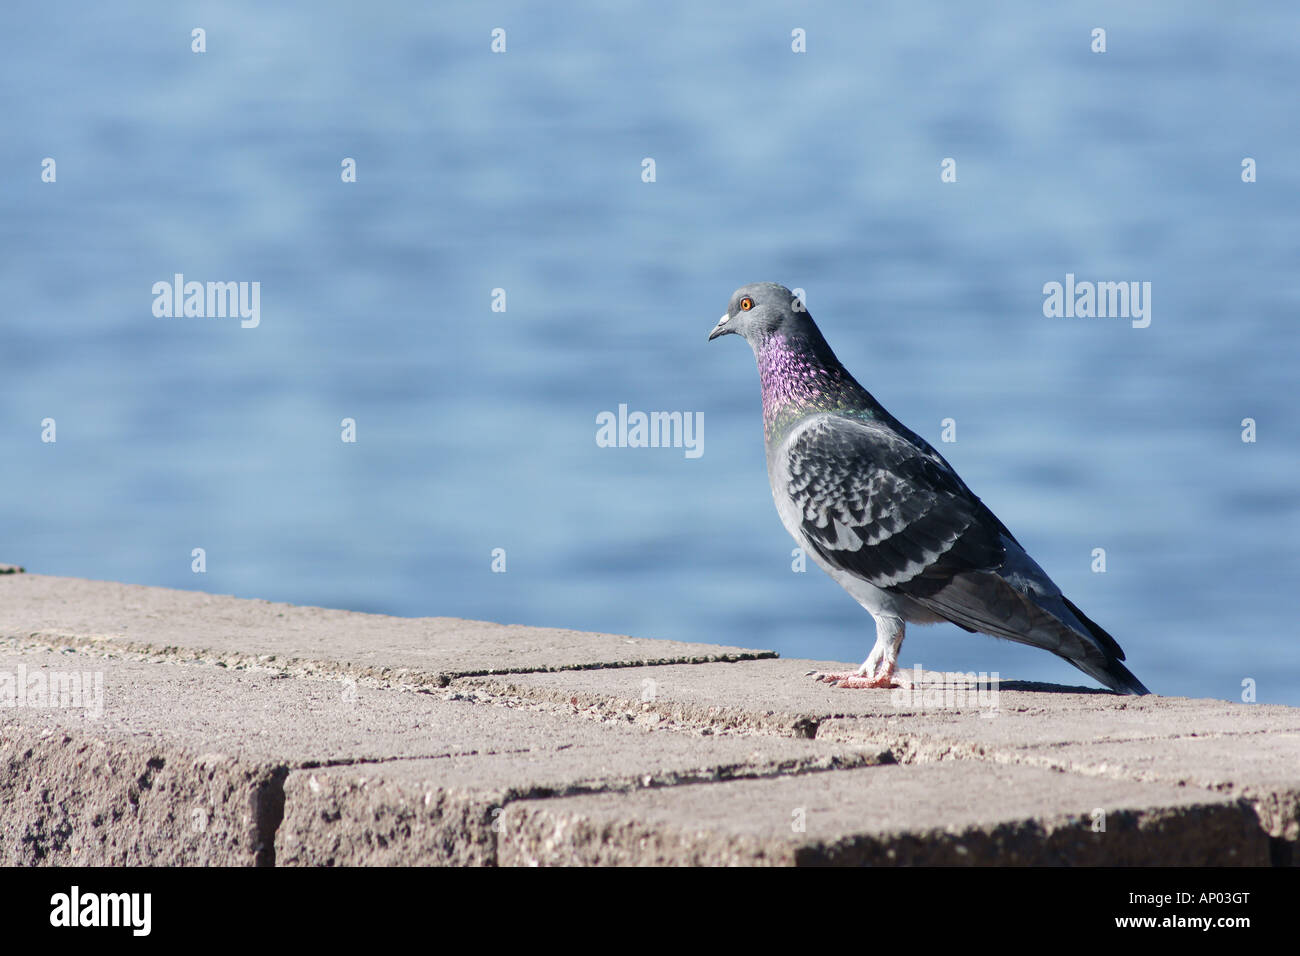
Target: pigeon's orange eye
(746, 304)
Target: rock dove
(882, 512)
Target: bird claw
(854, 680)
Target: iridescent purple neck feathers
(801, 377)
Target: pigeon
(882, 512)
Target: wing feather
(885, 508)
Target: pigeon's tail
(987, 602)
(1111, 673)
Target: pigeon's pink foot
(860, 682)
(855, 680)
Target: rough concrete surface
(955, 813)
(448, 811)
(188, 724)
(74, 612)
(73, 798)
(216, 730)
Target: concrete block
(953, 813)
(212, 628)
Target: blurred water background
(522, 171)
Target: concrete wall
(213, 730)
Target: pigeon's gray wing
(879, 506)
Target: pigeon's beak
(722, 328)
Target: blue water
(522, 171)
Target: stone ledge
(249, 733)
(955, 813)
(218, 629)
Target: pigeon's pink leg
(878, 669)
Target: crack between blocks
(384, 676)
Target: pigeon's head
(760, 309)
